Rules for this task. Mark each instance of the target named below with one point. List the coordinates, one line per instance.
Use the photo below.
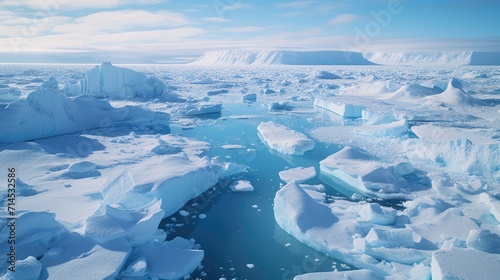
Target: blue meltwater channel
(239, 234)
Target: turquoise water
(240, 228)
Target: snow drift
(280, 57)
(439, 58)
(46, 112)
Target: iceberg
(281, 57)
(284, 140)
(47, 112)
(112, 82)
(340, 108)
(437, 58)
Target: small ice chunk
(341, 109)
(202, 216)
(250, 97)
(184, 213)
(241, 186)
(232, 147)
(298, 174)
(250, 265)
(278, 105)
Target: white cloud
(216, 19)
(235, 6)
(125, 41)
(296, 4)
(343, 19)
(118, 21)
(244, 29)
(54, 6)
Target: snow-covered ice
(47, 112)
(115, 167)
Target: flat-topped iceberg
(435, 58)
(283, 139)
(281, 57)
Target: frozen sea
(395, 148)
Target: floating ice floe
(217, 92)
(249, 97)
(325, 75)
(241, 186)
(298, 174)
(47, 112)
(278, 105)
(366, 175)
(340, 108)
(284, 140)
(200, 108)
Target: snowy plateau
(278, 167)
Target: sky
(169, 31)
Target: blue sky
(169, 31)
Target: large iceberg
(47, 112)
(437, 58)
(281, 57)
(112, 82)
